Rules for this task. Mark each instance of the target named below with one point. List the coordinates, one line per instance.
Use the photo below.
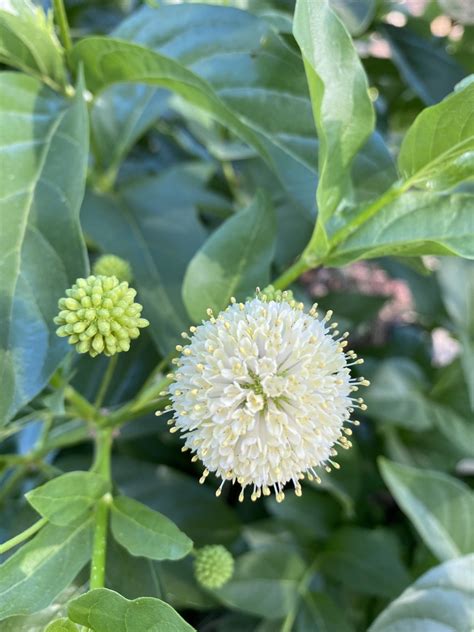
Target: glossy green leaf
(234, 260)
(62, 625)
(152, 222)
(264, 583)
(68, 497)
(366, 559)
(143, 531)
(438, 149)
(342, 108)
(442, 600)
(104, 610)
(132, 576)
(35, 574)
(43, 142)
(251, 70)
(440, 507)
(108, 61)
(426, 67)
(414, 224)
(28, 42)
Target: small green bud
(213, 566)
(98, 315)
(111, 265)
(270, 294)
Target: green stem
(99, 547)
(109, 372)
(292, 274)
(24, 535)
(61, 21)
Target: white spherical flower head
(262, 393)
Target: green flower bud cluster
(99, 316)
(213, 566)
(110, 265)
(270, 294)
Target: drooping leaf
(68, 497)
(366, 559)
(28, 42)
(441, 600)
(342, 108)
(150, 222)
(44, 143)
(233, 261)
(264, 583)
(438, 149)
(35, 574)
(414, 224)
(143, 531)
(104, 610)
(428, 69)
(440, 507)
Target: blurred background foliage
(333, 559)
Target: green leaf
(365, 560)
(356, 16)
(233, 261)
(150, 222)
(342, 108)
(43, 141)
(35, 574)
(264, 583)
(132, 576)
(318, 612)
(456, 278)
(414, 224)
(442, 600)
(251, 70)
(440, 507)
(177, 496)
(68, 497)
(62, 625)
(438, 149)
(104, 610)
(28, 42)
(107, 61)
(143, 531)
(428, 69)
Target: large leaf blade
(438, 149)
(35, 574)
(43, 141)
(439, 601)
(440, 507)
(233, 261)
(104, 610)
(342, 108)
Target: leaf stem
(287, 625)
(109, 372)
(61, 20)
(24, 535)
(292, 274)
(99, 548)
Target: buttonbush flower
(98, 315)
(111, 265)
(213, 566)
(263, 394)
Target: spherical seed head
(262, 395)
(213, 566)
(99, 315)
(110, 265)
